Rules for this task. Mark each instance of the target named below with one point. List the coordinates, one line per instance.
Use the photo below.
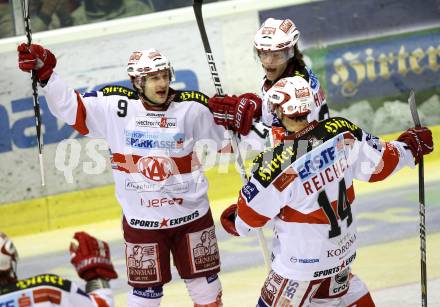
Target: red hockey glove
(228, 219)
(235, 113)
(91, 257)
(419, 141)
(35, 57)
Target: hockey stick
(424, 283)
(27, 26)
(197, 6)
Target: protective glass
(277, 57)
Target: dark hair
(297, 59)
(299, 118)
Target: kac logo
(155, 168)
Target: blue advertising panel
(20, 132)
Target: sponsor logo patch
(286, 25)
(160, 202)
(283, 180)
(335, 125)
(143, 263)
(44, 279)
(204, 250)
(340, 282)
(374, 142)
(271, 288)
(147, 140)
(316, 161)
(134, 58)
(291, 289)
(137, 223)
(118, 90)
(143, 186)
(249, 191)
(150, 292)
(268, 31)
(155, 168)
(344, 246)
(272, 163)
(156, 122)
(302, 93)
(304, 260)
(165, 222)
(46, 295)
(335, 270)
(211, 278)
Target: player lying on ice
(91, 260)
(305, 185)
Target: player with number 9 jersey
(151, 132)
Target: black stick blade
(413, 108)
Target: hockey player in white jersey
(305, 185)
(276, 47)
(159, 182)
(89, 256)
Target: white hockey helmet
(293, 95)
(143, 63)
(276, 35)
(8, 258)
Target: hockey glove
(35, 57)
(91, 257)
(418, 140)
(235, 113)
(228, 220)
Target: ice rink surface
(388, 258)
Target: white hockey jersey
(321, 111)
(159, 180)
(48, 290)
(267, 130)
(306, 186)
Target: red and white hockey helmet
(276, 35)
(8, 258)
(293, 96)
(143, 63)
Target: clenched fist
(35, 57)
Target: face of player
(274, 63)
(156, 86)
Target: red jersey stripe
(390, 159)
(249, 215)
(318, 216)
(80, 122)
(178, 165)
(99, 300)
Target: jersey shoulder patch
(272, 161)
(335, 125)
(118, 90)
(37, 281)
(301, 72)
(313, 79)
(191, 96)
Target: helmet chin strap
(148, 100)
(144, 98)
